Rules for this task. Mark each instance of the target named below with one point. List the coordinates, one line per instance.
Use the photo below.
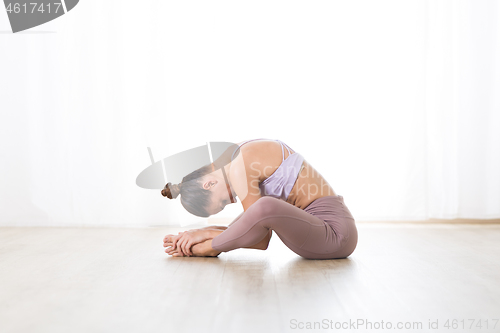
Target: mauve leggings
(323, 230)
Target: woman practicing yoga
(278, 190)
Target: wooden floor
(119, 280)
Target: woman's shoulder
(245, 164)
(246, 169)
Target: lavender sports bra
(280, 183)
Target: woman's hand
(168, 243)
(182, 242)
(190, 238)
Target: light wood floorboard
(120, 280)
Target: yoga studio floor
(120, 280)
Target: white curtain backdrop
(396, 103)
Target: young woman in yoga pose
(278, 190)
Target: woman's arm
(204, 249)
(214, 227)
(221, 227)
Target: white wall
(345, 83)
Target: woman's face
(215, 183)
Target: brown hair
(171, 191)
(194, 197)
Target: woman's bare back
(260, 160)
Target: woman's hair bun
(171, 191)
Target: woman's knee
(263, 207)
